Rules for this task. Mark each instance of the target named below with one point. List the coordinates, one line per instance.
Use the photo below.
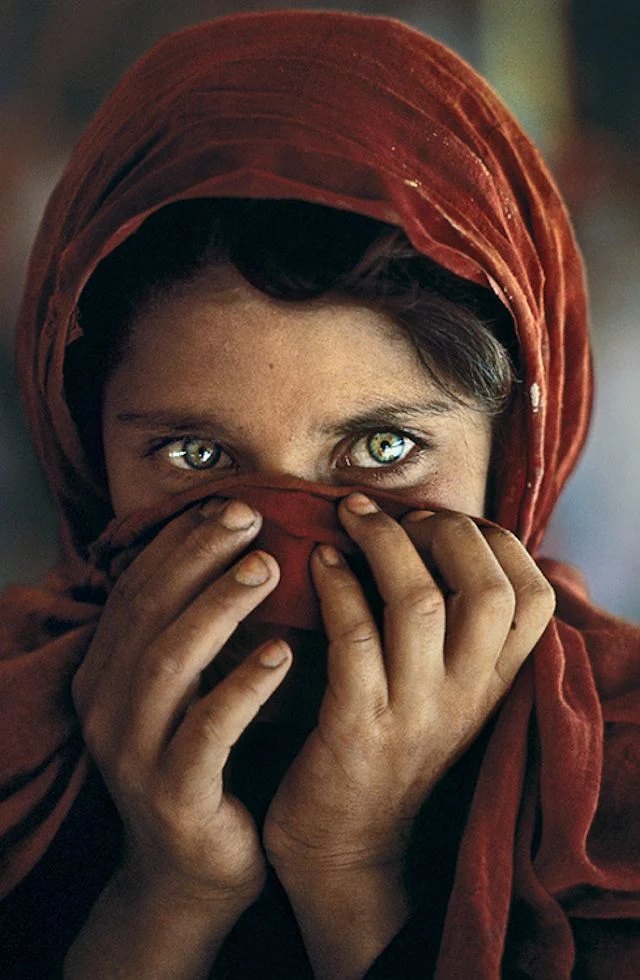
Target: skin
(213, 361)
(216, 361)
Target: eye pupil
(386, 447)
(200, 454)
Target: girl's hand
(160, 745)
(401, 708)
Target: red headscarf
(363, 114)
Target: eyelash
(383, 472)
(375, 473)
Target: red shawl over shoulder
(363, 114)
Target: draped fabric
(367, 115)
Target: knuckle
(538, 593)
(451, 524)
(140, 604)
(423, 602)
(210, 727)
(245, 686)
(344, 583)
(163, 664)
(382, 524)
(203, 540)
(125, 590)
(456, 522)
(497, 597)
(144, 606)
(361, 636)
(223, 604)
(501, 536)
(385, 523)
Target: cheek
(477, 478)
(127, 476)
(460, 481)
(126, 488)
(130, 488)
(450, 494)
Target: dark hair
(291, 250)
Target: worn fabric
(368, 115)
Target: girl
(304, 349)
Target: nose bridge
(289, 461)
(284, 448)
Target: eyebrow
(388, 414)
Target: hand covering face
(363, 114)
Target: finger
(480, 604)
(187, 554)
(534, 606)
(355, 666)
(414, 613)
(166, 540)
(167, 674)
(184, 557)
(200, 747)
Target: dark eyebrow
(389, 415)
(385, 414)
(174, 420)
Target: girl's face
(219, 378)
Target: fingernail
(273, 654)
(359, 503)
(252, 570)
(329, 555)
(237, 516)
(415, 516)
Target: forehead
(222, 318)
(244, 358)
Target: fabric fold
(366, 115)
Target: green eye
(379, 449)
(386, 447)
(195, 454)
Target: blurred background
(569, 70)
